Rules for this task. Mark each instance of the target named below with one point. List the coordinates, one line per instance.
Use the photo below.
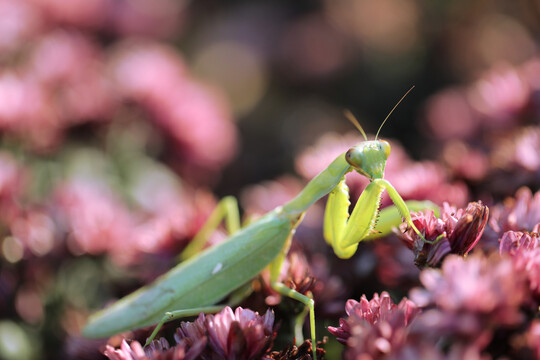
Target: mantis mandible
(208, 276)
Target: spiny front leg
(390, 217)
(342, 232)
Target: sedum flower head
(472, 307)
(519, 152)
(528, 263)
(377, 321)
(524, 248)
(455, 232)
(519, 213)
(471, 294)
(158, 350)
(242, 334)
(514, 241)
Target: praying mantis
(208, 276)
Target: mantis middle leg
(275, 268)
(227, 209)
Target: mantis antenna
(391, 111)
(349, 115)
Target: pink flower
(494, 101)
(500, 95)
(78, 12)
(450, 116)
(27, 110)
(375, 329)
(126, 352)
(471, 304)
(518, 150)
(195, 117)
(158, 18)
(473, 293)
(61, 83)
(525, 251)
(455, 232)
(375, 312)
(20, 21)
(515, 241)
(158, 350)
(520, 213)
(466, 162)
(172, 211)
(95, 219)
(427, 180)
(528, 262)
(242, 334)
(36, 229)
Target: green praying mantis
(208, 276)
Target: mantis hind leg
(235, 298)
(310, 306)
(226, 209)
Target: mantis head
(369, 158)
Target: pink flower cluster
(375, 328)
(456, 232)
(64, 78)
(463, 309)
(518, 213)
(242, 334)
(524, 248)
(495, 101)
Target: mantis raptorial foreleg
(390, 216)
(344, 232)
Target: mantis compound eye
(386, 147)
(354, 161)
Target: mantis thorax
(369, 158)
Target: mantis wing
(200, 281)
